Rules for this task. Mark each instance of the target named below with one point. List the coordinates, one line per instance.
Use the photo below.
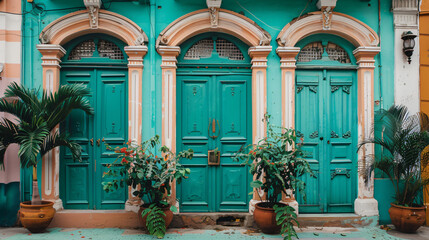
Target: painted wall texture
(424, 73)
(10, 63)
(271, 15)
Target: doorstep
(218, 220)
(95, 219)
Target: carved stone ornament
(214, 16)
(93, 6)
(327, 16)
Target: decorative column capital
(51, 54)
(135, 55)
(259, 56)
(365, 56)
(288, 56)
(405, 13)
(169, 56)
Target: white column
(405, 17)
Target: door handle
(321, 138)
(98, 142)
(92, 141)
(213, 125)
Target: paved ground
(193, 234)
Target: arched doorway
(214, 113)
(99, 62)
(365, 42)
(326, 118)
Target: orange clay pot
(36, 218)
(407, 219)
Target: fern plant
(286, 217)
(155, 222)
(140, 165)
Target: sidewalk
(195, 234)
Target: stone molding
(199, 21)
(75, 24)
(347, 27)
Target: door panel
(308, 125)
(76, 177)
(326, 118)
(202, 101)
(81, 186)
(342, 148)
(193, 124)
(112, 129)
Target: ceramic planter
(36, 218)
(167, 218)
(265, 218)
(407, 219)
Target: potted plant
(402, 141)
(276, 163)
(152, 176)
(34, 129)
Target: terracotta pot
(167, 218)
(265, 218)
(36, 218)
(407, 219)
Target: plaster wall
(10, 61)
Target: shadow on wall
(9, 188)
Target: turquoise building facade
(202, 76)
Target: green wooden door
(326, 117)
(213, 111)
(81, 186)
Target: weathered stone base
(214, 220)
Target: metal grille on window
(201, 49)
(228, 49)
(83, 49)
(337, 53)
(109, 49)
(310, 52)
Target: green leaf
(173, 209)
(256, 184)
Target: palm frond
(29, 97)
(8, 132)
(58, 105)
(31, 138)
(17, 108)
(56, 139)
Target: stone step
(219, 220)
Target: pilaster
(259, 101)
(135, 79)
(51, 59)
(365, 204)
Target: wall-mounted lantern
(409, 43)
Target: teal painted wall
(9, 203)
(272, 15)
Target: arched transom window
(317, 50)
(205, 47)
(96, 48)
